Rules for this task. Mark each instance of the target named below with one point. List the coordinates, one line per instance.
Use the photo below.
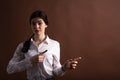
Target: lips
(36, 30)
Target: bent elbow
(10, 70)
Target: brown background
(87, 28)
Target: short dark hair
(40, 14)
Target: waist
(40, 78)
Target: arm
(18, 61)
(57, 67)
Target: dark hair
(40, 14)
(26, 45)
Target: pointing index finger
(78, 58)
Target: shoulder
(52, 41)
(19, 46)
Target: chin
(38, 33)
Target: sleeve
(18, 62)
(57, 67)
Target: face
(38, 26)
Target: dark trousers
(45, 79)
(51, 79)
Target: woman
(39, 55)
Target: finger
(43, 52)
(74, 62)
(40, 60)
(70, 60)
(41, 56)
(78, 58)
(73, 67)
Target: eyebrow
(36, 21)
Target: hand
(71, 63)
(38, 58)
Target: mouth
(36, 30)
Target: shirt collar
(47, 40)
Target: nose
(36, 26)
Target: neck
(39, 38)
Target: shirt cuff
(59, 71)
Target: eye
(39, 23)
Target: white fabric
(48, 68)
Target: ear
(46, 25)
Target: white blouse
(50, 66)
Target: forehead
(37, 19)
